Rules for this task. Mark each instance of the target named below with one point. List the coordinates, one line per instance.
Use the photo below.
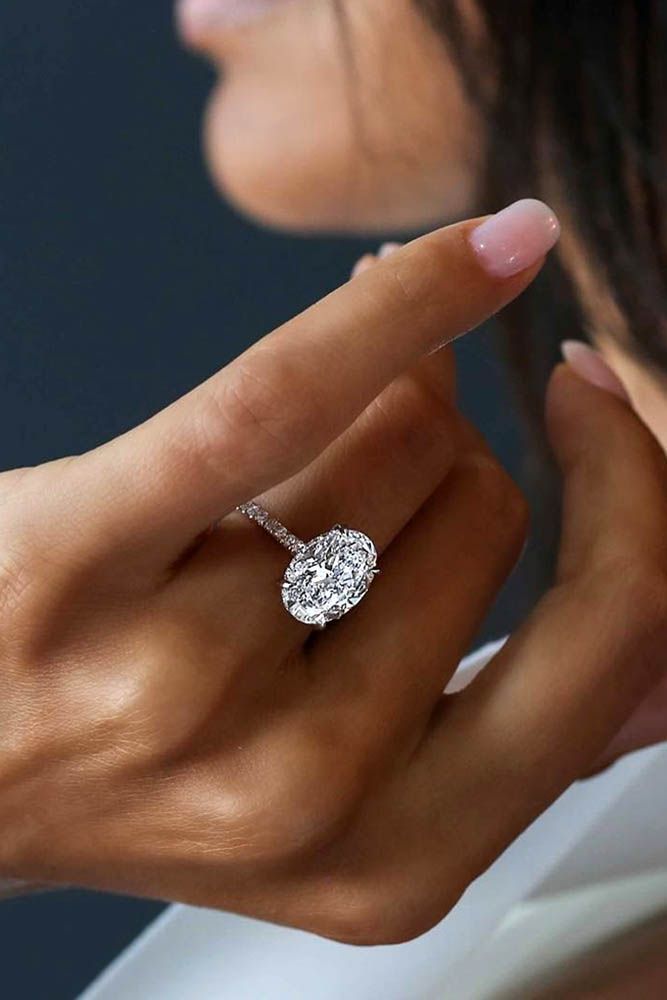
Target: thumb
(594, 647)
(571, 420)
(645, 727)
(615, 473)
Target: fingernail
(387, 249)
(515, 238)
(589, 365)
(363, 264)
(196, 16)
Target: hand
(645, 727)
(167, 729)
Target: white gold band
(272, 525)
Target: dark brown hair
(579, 94)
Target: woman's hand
(646, 726)
(167, 729)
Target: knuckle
(16, 579)
(504, 504)
(24, 599)
(261, 400)
(384, 913)
(314, 799)
(425, 405)
(417, 279)
(253, 398)
(435, 259)
(641, 594)
(493, 481)
(420, 418)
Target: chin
(264, 171)
(294, 171)
(299, 139)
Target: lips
(197, 19)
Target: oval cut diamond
(329, 576)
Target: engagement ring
(327, 576)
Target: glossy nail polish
(515, 238)
(363, 264)
(589, 365)
(387, 249)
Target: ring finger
(373, 478)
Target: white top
(611, 826)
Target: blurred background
(124, 281)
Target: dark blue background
(123, 282)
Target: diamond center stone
(329, 575)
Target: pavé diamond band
(327, 576)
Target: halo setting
(329, 575)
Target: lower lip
(197, 18)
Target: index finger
(272, 410)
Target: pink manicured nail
(515, 238)
(363, 264)
(367, 261)
(195, 16)
(387, 249)
(591, 366)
